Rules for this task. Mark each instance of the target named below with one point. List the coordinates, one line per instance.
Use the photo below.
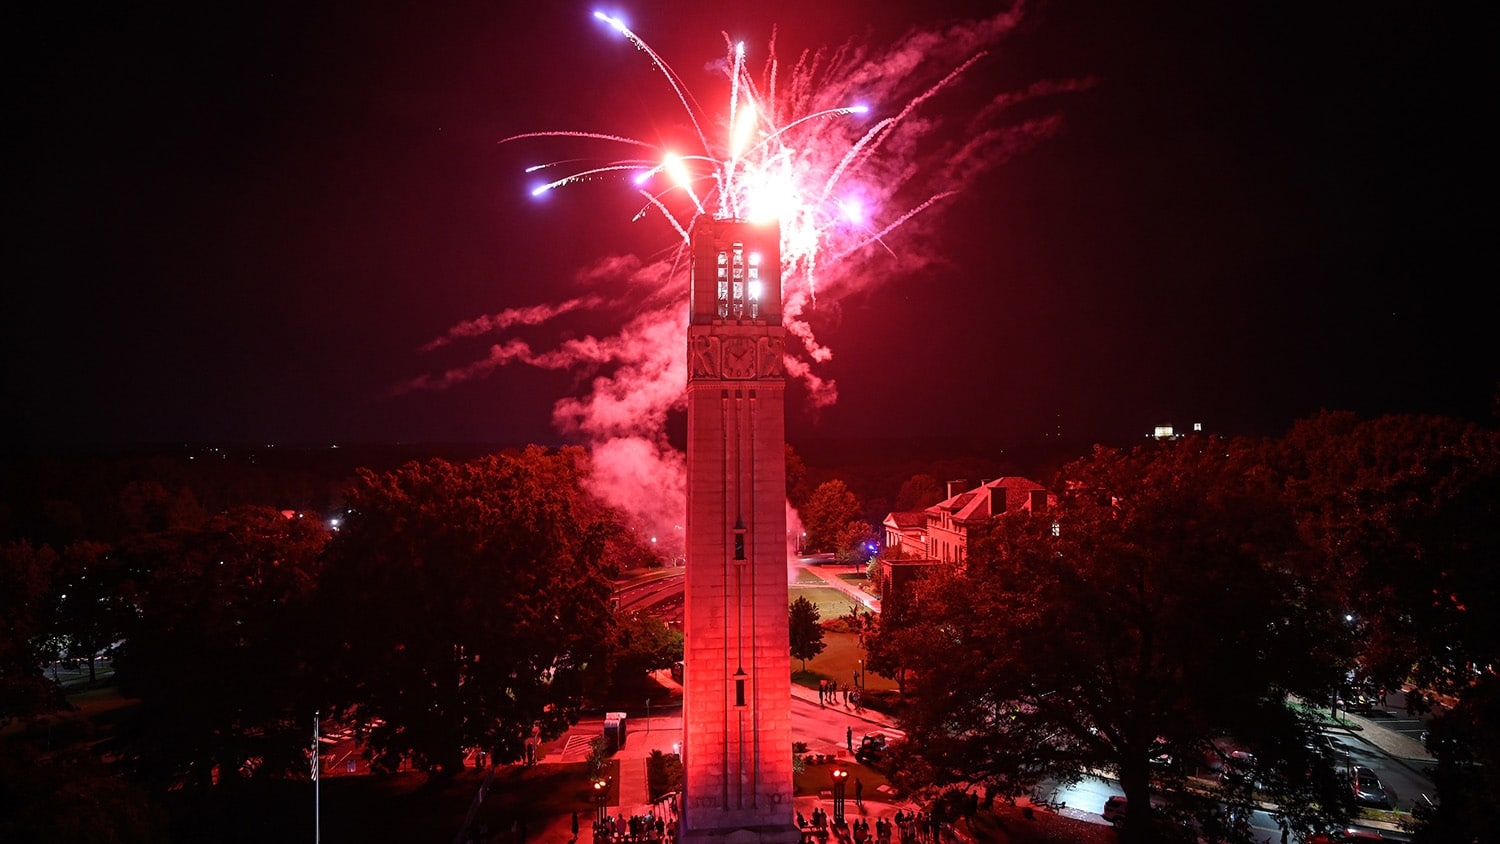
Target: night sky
(241, 223)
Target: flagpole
(317, 760)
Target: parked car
(1114, 810)
(1368, 789)
(871, 748)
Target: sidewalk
(665, 734)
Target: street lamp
(839, 775)
(601, 791)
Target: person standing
(859, 793)
(849, 738)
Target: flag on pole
(316, 750)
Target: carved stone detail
(771, 351)
(703, 356)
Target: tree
(829, 510)
(855, 543)
(640, 644)
(148, 507)
(219, 654)
(91, 613)
(468, 600)
(1407, 511)
(796, 478)
(71, 796)
(885, 639)
(1163, 611)
(663, 775)
(919, 492)
(26, 574)
(805, 632)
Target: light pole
(839, 775)
(601, 790)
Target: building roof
(907, 519)
(976, 504)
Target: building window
(741, 287)
(756, 288)
(723, 278)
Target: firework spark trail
(688, 104)
(564, 133)
(870, 143)
(665, 212)
(842, 187)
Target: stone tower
(737, 738)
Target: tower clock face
(739, 357)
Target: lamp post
(839, 775)
(601, 790)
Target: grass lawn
(838, 662)
(842, 655)
(831, 603)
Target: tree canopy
(919, 492)
(26, 574)
(467, 602)
(219, 653)
(1155, 610)
(805, 632)
(829, 510)
(1406, 510)
(640, 644)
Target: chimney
(997, 500)
(957, 487)
(1038, 500)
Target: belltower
(737, 738)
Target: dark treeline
(1180, 593)
(105, 494)
(453, 605)
(1176, 591)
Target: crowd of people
(650, 828)
(912, 827)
